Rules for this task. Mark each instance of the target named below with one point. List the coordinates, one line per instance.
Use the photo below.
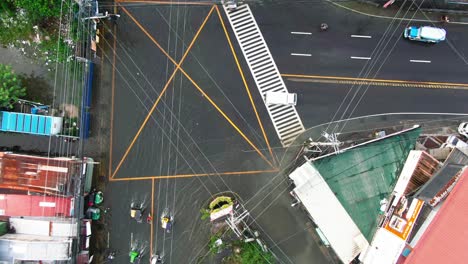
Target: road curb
(445, 11)
(388, 17)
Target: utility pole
(234, 221)
(312, 146)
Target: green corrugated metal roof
(363, 176)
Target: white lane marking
(301, 33)
(360, 58)
(360, 36)
(420, 61)
(301, 54)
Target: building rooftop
(38, 174)
(435, 189)
(445, 239)
(35, 205)
(363, 175)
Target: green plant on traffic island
(216, 244)
(205, 213)
(10, 87)
(248, 253)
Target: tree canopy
(10, 87)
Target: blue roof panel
(11, 122)
(19, 124)
(27, 124)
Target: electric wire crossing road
(285, 119)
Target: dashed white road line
(361, 36)
(420, 61)
(301, 54)
(301, 33)
(360, 58)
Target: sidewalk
(422, 15)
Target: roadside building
(400, 211)
(46, 239)
(35, 205)
(343, 191)
(444, 238)
(45, 175)
(414, 205)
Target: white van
(281, 98)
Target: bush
(14, 27)
(39, 9)
(214, 249)
(10, 87)
(251, 253)
(205, 213)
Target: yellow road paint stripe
(207, 97)
(165, 87)
(245, 85)
(165, 2)
(112, 97)
(195, 84)
(379, 83)
(152, 214)
(373, 80)
(194, 175)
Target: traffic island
(232, 240)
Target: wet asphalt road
(187, 136)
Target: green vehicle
(134, 256)
(95, 198)
(93, 213)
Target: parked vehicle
(454, 142)
(425, 34)
(280, 98)
(95, 198)
(93, 213)
(463, 129)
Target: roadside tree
(10, 87)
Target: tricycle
(136, 212)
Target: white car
(280, 98)
(463, 129)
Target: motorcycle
(149, 218)
(157, 258)
(167, 220)
(323, 26)
(135, 256)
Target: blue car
(425, 34)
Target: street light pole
(101, 16)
